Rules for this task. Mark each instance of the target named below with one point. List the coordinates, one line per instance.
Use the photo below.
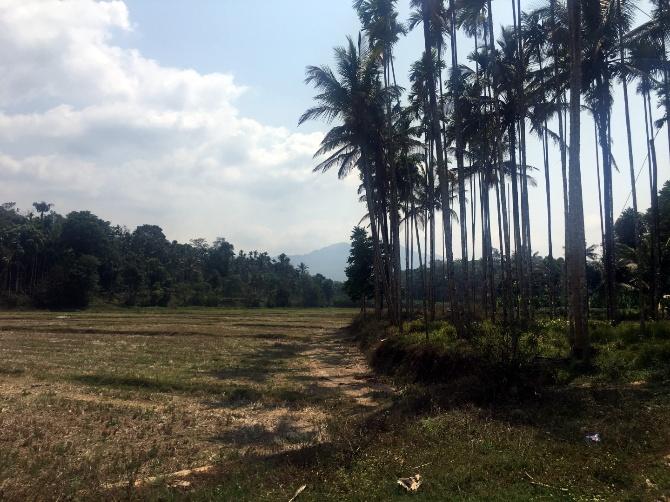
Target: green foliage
(626, 353)
(483, 365)
(69, 262)
(359, 284)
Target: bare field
(90, 400)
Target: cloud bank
(87, 124)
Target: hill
(329, 261)
(332, 260)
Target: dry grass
(88, 399)
(129, 405)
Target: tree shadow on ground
(263, 364)
(286, 431)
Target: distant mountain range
(329, 261)
(332, 260)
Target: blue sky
(184, 114)
(266, 44)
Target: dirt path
(336, 363)
(333, 375)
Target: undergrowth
(484, 367)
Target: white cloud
(87, 124)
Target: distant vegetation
(52, 261)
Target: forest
(451, 151)
(54, 261)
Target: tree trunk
(437, 138)
(653, 188)
(518, 249)
(577, 254)
(631, 168)
(377, 261)
(608, 252)
(460, 167)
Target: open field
(91, 399)
(252, 404)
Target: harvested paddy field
(92, 402)
(214, 404)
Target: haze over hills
(332, 260)
(329, 261)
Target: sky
(184, 114)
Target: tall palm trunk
(527, 271)
(407, 231)
(441, 165)
(487, 245)
(577, 250)
(460, 167)
(395, 208)
(498, 156)
(507, 268)
(547, 190)
(518, 249)
(631, 166)
(377, 266)
(547, 180)
(386, 252)
(563, 150)
(596, 142)
(430, 224)
(422, 268)
(602, 112)
(666, 84)
(526, 253)
(653, 188)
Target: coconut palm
(603, 23)
(432, 15)
(379, 19)
(577, 243)
(356, 100)
(645, 57)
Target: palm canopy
(440, 19)
(379, 19)
(354, 97)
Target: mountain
(329, 261)
(332, 260)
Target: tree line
(53, 261)
(455, 144)
(548, 279)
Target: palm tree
(42, 208)
(356, 100)
(657, 31)
(379, 19)
(536, 32)
(645, 63)
(478, 135)
(456, 86)
(419, 105)
(430, 11)
(577, 248)
(509, 87)
(604, 21)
